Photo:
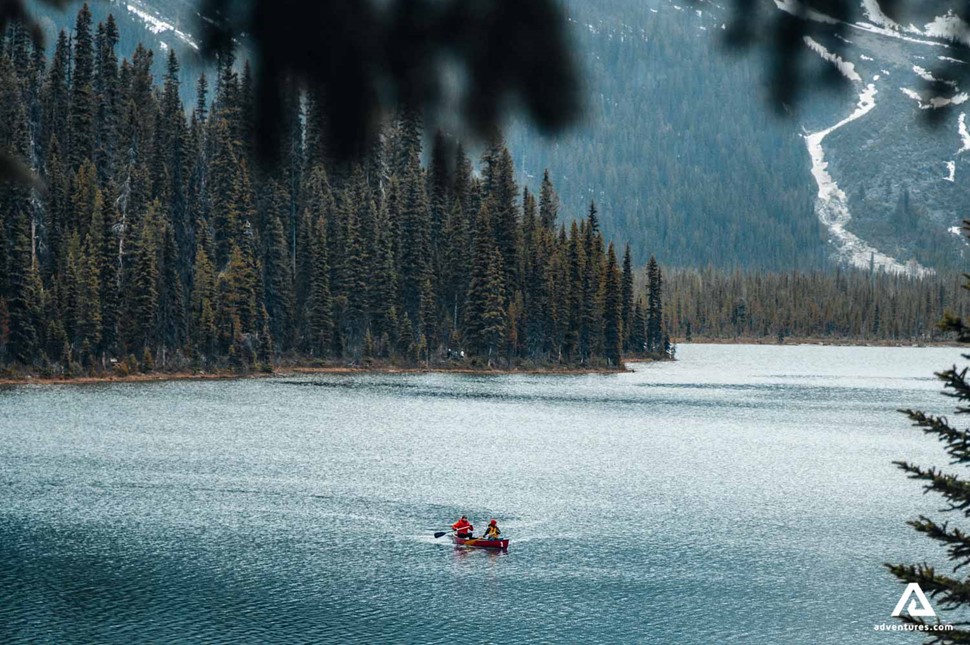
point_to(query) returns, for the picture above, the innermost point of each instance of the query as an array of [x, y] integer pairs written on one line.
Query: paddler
[[463, 528], [492, 532]]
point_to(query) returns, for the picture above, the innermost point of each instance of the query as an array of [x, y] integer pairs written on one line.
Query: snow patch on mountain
[[796, 8], [157, 25], [951, 167], [832, 207], [846, 68], [964, 133], [935, 102], [876, 16], [948, 27], [927, 76]]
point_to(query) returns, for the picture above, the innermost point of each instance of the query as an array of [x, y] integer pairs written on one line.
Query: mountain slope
[[682, 153]]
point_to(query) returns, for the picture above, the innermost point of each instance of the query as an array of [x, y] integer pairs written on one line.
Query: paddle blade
[[440, 533]]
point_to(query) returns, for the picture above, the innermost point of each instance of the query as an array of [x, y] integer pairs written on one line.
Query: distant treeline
[[836, 305], [158, 242]]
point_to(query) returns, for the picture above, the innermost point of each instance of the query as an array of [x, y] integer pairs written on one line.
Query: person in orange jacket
[[492, 532], [463, 527]]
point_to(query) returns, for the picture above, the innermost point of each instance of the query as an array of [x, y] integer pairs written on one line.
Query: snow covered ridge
[[157, 25], [846, 68], [935, 102]]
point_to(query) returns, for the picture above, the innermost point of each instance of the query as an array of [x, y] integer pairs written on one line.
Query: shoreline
[[288, 370], [295, 370], [831, 342]]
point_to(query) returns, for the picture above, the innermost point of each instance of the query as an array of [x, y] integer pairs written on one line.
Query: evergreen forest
[[853, 305], [154, 241]]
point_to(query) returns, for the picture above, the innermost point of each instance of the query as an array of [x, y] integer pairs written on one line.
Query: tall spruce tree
[[612, 310], [654, 332], [485, 303], [626, 297]]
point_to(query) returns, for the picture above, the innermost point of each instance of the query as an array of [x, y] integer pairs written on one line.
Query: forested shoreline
[[156, 242], [836, 306]]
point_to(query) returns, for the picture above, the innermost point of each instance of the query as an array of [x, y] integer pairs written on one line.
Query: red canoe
[[481, 543]]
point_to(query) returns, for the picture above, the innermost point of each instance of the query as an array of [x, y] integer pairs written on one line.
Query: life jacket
[[463, 527], [492, 531]]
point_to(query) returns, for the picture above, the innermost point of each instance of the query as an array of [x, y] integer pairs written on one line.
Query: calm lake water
[[741, 494]]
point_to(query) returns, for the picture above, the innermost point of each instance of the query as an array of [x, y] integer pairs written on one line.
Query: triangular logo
[[915, 610]]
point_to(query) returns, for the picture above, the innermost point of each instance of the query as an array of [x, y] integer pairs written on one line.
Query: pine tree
[[89, 286], [203, 316], [612, 310], [24, 304], [278, 283], [55, 96], [415, 266], [485, 310], [548, 203], [83, 100], [318, 318], [654, 307], [501, 195], [142, 318], [455, 267], [107, 98], [949, 590], [173, 327], [626, 297], [638, 335]]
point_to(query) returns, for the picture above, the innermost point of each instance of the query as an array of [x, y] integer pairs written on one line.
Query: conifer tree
[[83, 100], [548, 203], [55, 97], [948, 589], [638, 335], [318, 319], [654, 307], [415, 266], [142, 289], [455, 267], [107, 98], [612, 310], [278, 283], [501, 194], [485, 309], [626, 297], [203, 315], [171, 298], [25, 293]]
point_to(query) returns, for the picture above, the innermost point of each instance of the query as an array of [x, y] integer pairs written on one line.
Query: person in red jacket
[[463, 527]]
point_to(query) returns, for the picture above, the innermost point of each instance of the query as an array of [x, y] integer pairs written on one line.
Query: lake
[[741, 494]]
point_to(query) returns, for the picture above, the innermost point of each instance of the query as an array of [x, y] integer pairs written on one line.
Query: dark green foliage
[[948, 589], [83, 100], [655, 335], [626, 298], [158, 245], [612, 310], [24, 299], [845, 305]]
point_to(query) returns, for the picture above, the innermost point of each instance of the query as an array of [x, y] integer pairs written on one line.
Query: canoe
[[481, 543]]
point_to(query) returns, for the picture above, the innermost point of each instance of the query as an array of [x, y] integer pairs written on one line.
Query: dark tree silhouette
[[361, 59], [950, 590]]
